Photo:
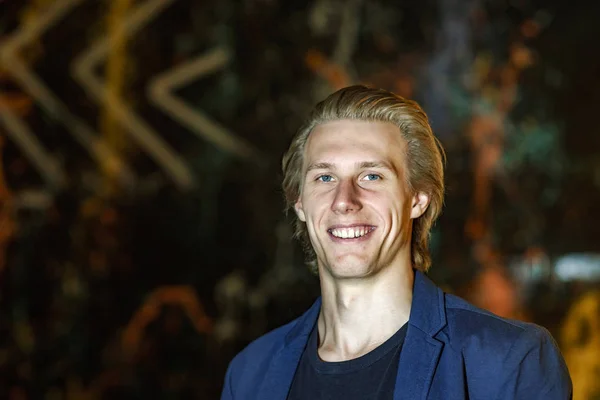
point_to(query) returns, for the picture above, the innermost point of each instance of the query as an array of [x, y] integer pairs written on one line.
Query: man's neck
[[359, 315]]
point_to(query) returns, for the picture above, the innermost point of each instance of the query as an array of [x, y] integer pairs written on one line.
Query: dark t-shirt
[[369, 377]]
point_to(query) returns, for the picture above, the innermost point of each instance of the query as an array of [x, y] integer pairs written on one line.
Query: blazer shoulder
[[250, 364], [487, 338], [503, 352], [472, 330], [264, 347], [469, 325]]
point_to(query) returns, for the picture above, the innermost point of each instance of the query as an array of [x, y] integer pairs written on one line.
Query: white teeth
[[350, 233]]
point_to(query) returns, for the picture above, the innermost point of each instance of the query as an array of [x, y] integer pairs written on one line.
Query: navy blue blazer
[[452, 350]]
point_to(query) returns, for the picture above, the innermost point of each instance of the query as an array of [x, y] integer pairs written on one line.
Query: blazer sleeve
[[535, 369]]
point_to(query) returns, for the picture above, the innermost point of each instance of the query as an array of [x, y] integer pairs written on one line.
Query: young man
[[365, 179]]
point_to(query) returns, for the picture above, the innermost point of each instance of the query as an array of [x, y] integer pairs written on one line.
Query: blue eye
[[325, 178], [372, 177]]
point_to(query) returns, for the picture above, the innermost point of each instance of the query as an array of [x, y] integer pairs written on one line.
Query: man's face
[[355, 200]]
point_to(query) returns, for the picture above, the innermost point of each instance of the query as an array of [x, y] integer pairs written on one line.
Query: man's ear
[[420, 203], [300, 210]]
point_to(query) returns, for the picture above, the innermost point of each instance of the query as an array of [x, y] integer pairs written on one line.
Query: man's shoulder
[[460, 309], [475, 332], [509, 356], [468, 315], [258, 352], [250, 366]]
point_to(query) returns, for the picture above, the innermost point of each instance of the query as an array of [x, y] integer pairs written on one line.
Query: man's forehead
[[355, 132], [364, 143]]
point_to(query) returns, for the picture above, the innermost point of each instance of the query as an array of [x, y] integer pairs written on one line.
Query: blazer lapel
[[421, 351], [418, 361], [279, 377]]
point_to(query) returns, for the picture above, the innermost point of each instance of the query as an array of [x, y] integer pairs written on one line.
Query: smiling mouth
[[351, 232]]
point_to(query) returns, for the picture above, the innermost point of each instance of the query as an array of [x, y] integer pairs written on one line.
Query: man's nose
[[346, 198]]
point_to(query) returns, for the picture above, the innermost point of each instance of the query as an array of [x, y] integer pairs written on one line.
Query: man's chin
[[349, 267]]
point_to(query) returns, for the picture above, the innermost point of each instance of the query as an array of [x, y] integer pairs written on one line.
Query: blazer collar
[[428, 311], [304, 325], [421, 351]]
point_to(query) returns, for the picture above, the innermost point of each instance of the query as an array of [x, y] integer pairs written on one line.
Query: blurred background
[[142, 235]]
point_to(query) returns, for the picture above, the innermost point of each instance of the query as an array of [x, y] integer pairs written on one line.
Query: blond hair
[[425, 156]]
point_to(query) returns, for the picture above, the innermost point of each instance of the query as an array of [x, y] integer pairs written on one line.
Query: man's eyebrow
[[321, 165], [376, 164], [361, 165]]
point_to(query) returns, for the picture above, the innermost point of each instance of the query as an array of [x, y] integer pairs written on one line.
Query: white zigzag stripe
[[90, 140], [83, 72], [46, 165], [160, 92]]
